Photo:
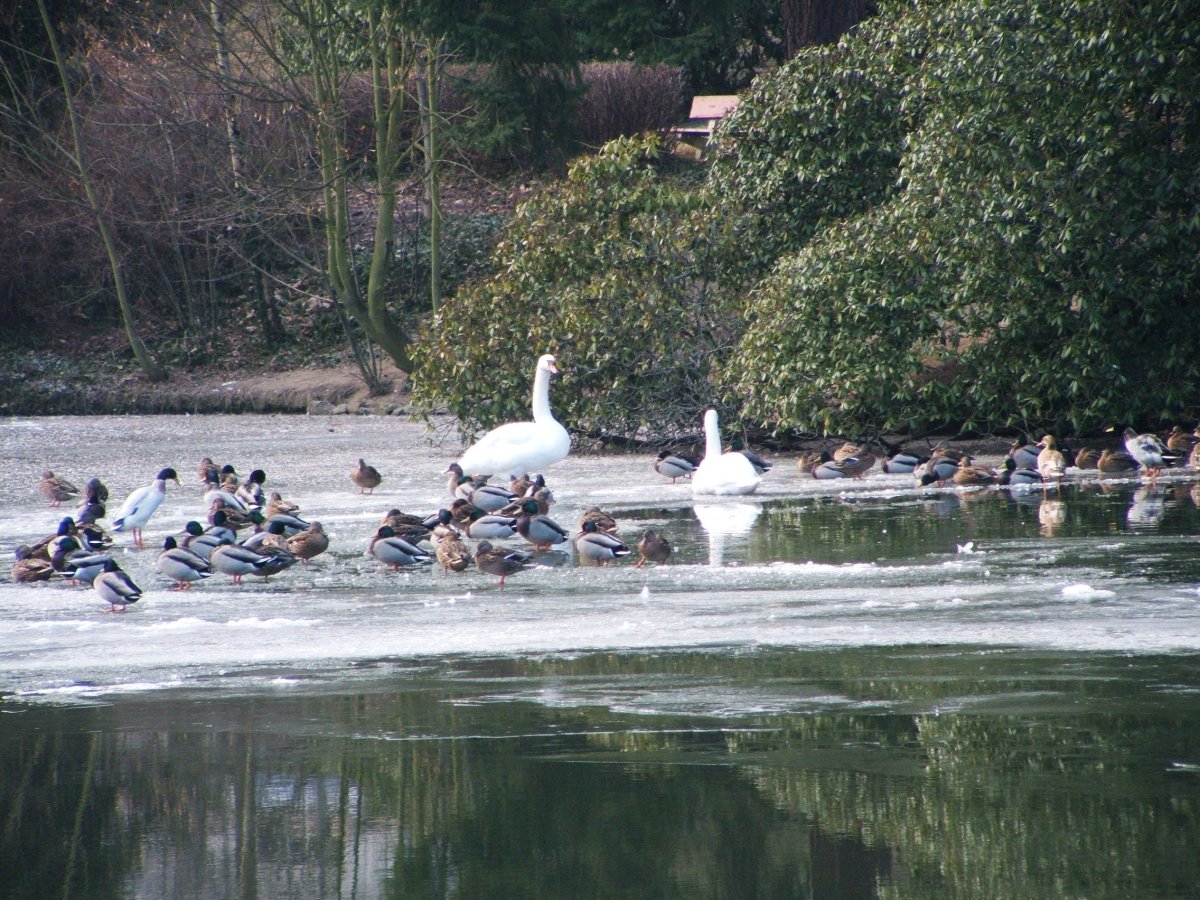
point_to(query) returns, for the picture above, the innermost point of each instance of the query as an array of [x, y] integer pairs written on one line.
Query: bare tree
[[808, 22]]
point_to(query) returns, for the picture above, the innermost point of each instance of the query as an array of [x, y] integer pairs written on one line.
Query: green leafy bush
[[610, 270]]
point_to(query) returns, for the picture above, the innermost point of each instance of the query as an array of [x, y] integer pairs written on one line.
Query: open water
[[832, 689]]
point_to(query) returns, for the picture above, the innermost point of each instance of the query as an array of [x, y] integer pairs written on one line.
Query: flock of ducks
[[485, 511]]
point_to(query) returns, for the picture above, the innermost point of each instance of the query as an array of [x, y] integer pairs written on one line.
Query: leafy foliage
[[1035, 260], [609, 269]]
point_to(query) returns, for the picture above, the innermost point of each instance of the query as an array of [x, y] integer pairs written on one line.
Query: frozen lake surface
[[1094, 567], [848, 689]]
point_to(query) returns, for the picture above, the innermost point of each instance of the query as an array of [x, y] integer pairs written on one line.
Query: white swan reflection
[[721, 521]]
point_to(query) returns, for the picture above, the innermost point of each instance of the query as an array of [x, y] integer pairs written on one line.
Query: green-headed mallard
[[180, 565], [604, 521], [599, 546], [115, 587], [675, 465], [236, 560], [388, 548], [541, 531], [1151, 454]]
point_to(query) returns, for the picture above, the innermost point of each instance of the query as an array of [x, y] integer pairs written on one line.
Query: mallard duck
[[199, 541], [1112, 462], [1050, 462], [208, 473], [969, 475], [861, 452], [604, 521], [598, 546], [273, 537], [1086, 458], [228, 500], [139, 506], [181, 565], [291, 524], [500, 561], [453, 553], [235, 519], [56, 489], [1024, 453], [810, 459], [462, 512], [229, 479], [395, 551], [366, 477], [541, 531], [236, 561], [938, 469], [1194, 458], [219, 528], [276, 504], [543, 497], [1012, 476], [902, 462], [115, 587], [825, 468], [250, 491], [652, 547], [490, 497], [490, 527], [309, 543], [722, 473], [92, 507], [519, 447], [1151, 454], [28, 568], [1180, 442], [82, 566], [675, 465]]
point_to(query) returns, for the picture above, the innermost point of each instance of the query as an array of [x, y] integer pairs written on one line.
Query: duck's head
[[167, 475]]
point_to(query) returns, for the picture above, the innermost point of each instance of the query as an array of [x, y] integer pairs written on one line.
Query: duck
[[227, 500], [92, 507], [1013, 476], [1151, 454], [308, 544], [82, 566], [250, 491], [862, 455], [675, 465], [598, 546], [388, 548], [115, 587], [181, 565], [722, 473], [500, 561], [28, 569], [543, 497], [1193, 460], [237, 561], [902, 462], [220, 529], [1112, 462], [652, 547], [1051, 463], [825, 468], [938, 468], [1086, 458], [291, 524], [208, 473], [490, 527], [269, 540], [970, 475], [366, 477], [1024, 453], [453, 553], [199, 541], [490, 497], [541, 531], [276, 504], [139, 506], [604, 521], [515, 448], [1180, 442], [56, 489]]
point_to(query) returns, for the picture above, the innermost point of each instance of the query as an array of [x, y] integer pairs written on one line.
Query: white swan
[[518, 448], [722, 473]]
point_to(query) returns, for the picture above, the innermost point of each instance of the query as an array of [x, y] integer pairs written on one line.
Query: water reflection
[[1011, 775], [722, 521]]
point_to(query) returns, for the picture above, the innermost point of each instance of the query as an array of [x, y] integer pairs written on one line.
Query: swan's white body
[[722, 473], [518, 448]]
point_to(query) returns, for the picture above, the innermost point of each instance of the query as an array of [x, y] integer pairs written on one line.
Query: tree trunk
[[810, 22], [153, 370]]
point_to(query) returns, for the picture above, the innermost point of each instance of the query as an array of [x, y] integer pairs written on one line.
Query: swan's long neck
[[712, 437], [541, 396]]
